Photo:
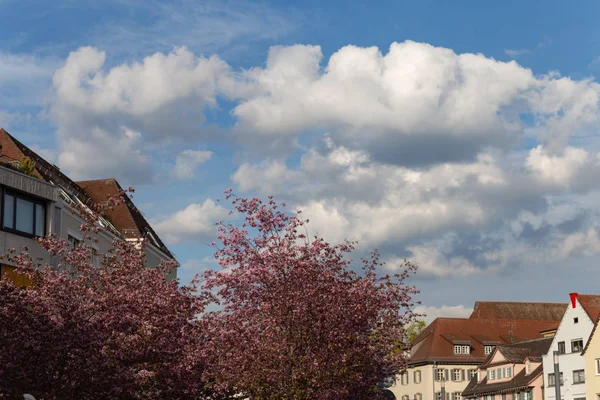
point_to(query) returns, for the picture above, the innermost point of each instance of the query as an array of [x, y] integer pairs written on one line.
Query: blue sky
[[462, 135]]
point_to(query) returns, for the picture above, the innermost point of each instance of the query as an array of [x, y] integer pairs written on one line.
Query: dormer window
[[462, 349], [488, 349]]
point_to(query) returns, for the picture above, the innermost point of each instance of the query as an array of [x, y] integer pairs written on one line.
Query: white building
[[570, 338], [39, 200]]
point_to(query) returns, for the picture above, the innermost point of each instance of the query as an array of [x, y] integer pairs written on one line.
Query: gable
[[569, 330]]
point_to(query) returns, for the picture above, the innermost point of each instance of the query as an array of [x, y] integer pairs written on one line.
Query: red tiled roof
[[433, 344], [126, 217], [591, 305], [518, 310]]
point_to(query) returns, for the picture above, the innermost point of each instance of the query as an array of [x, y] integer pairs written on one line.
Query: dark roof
[[434, 344], [518, 352], [126, 218], [518, 310], [520, 380]]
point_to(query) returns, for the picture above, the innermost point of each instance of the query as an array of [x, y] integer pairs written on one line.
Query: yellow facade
[[592, 366], [429, 384]]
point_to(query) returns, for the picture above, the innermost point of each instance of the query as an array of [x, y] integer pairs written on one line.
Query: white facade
[[571, 336]]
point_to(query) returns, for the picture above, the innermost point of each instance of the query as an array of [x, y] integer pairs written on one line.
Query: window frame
[[437, 374], [31, 199], [508, 372], [415, 375], [491, 375], [578, 341], [455, 375], [579, 373], [488, 349], [562, 350]]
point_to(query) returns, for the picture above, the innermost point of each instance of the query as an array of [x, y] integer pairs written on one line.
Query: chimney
[[573, 299]]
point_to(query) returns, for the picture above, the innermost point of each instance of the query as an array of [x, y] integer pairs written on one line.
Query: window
[[576, 345], [561, 347], [417, 377], [598, 366], [73, 242], [462, 349], [440, 374], [551, 380], [503, 396], [575, 320], [438, 395], [24, 214], [456, 396], [528, 369], [404, 378], [492, 375], [456, 375], [488, 349], [418, 396], [578, 376], [472, 373], [508, 372], [493, 397], [405, 397]]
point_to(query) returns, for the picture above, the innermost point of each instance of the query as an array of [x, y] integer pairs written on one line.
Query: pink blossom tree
[[119, 330], [295, 321]]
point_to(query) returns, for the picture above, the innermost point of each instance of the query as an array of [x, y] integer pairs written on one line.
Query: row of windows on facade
[[576, 346], [457, 375], [466, 349], [578, 377]]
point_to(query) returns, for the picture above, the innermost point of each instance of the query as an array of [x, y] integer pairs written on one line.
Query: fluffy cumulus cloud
[[162, 97], [423, 154], [418, 151], [196, 222], [415, 105], [187, 161]]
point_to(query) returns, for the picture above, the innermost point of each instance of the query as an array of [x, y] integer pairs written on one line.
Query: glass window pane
[[9, 211], [40, 219], [24, 216]]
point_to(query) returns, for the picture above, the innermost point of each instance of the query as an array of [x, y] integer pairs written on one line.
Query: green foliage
[[414, 329], [27, 165]]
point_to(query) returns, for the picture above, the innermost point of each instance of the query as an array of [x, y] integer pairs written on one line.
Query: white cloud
[[432, 312], [187, 161], [162, 96], [416, 105], [196, 222], [514, 53]]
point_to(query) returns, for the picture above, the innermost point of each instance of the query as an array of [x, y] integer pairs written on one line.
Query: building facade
[[449, 350], [591, 356], [571, 336], [36, 199], [512, 372]]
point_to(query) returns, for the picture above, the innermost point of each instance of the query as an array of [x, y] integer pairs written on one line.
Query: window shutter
[[462, 375], [446, 375], [447, 396], [435, 372]]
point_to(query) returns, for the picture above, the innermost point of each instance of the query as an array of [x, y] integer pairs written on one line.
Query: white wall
[[568, 362]]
